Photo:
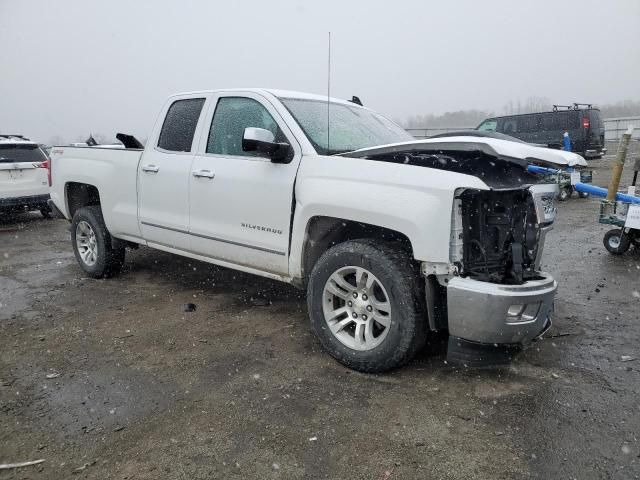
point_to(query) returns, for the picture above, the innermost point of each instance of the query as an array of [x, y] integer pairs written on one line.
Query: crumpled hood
[[515, 152]]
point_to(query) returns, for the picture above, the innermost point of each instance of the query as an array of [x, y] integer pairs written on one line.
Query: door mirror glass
[[263, 141]]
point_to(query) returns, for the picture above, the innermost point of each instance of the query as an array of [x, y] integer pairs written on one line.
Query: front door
[[241, 202], [163, 176]]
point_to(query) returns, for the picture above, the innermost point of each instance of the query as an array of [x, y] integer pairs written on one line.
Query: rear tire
[[583, 194], [616, 241], [92, 244], [377, 290]]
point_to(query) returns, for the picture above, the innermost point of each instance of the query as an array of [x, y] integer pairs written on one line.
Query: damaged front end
[[491, 296], [499, 300], [503, 232]]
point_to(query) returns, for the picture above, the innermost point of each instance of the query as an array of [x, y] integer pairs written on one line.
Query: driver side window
[[231, 117]]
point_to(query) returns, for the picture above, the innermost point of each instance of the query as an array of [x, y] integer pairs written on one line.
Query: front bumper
[[32, 201], [492, 313]]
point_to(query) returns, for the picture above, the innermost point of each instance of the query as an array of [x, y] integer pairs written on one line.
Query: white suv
[[23, 175]]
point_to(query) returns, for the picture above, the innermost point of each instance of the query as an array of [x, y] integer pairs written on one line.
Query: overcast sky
[[70, 67]]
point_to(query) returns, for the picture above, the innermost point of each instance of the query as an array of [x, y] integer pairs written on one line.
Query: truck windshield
[[488, 126], [350, 128], [21, 153]]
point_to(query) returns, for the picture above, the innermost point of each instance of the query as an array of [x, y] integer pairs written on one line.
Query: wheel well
[[81, 195], [324, 232]]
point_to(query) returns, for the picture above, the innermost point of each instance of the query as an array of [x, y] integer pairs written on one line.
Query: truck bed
[[113, 171]]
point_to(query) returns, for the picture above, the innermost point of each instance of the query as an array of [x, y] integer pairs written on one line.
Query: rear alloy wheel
[[93, 245], [616, 241], [583, 194], [86, 243], [365, 305]]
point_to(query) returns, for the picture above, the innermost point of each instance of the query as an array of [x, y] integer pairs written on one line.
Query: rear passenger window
[[509, 126], [547, 121], [556, 121], [179, 125], [528, 123]]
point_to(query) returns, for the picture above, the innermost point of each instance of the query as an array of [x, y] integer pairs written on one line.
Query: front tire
[[92, 244], [365, 305]]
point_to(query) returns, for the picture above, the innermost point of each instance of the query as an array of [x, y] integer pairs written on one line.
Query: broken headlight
[[544, 201]]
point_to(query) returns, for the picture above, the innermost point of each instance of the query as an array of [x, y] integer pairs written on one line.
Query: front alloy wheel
[[366, 304], [356, 308]]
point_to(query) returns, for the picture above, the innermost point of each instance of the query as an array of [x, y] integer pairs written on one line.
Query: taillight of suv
[[585, 122], [46, 164]]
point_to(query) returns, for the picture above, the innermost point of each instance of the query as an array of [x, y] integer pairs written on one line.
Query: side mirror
[[263, 141]]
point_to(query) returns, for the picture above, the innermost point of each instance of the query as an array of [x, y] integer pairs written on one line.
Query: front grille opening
[[500, 236]]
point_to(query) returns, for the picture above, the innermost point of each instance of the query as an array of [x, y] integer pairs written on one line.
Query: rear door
[[596, 128], [23, 170], [164, 173], [241, 202], [553, 125]]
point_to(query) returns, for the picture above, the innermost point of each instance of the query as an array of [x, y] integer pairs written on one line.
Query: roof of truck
[[275, 92]]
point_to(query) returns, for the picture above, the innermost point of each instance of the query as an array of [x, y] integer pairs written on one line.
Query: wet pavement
[[113, 379]]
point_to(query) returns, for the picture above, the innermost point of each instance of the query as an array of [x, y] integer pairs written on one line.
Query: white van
[[24, 183]]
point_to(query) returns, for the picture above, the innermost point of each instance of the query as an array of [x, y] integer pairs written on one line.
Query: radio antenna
[[328, 92]]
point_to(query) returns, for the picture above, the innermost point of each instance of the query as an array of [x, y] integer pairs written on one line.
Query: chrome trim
[[203, 174], [543, 199], [456, 252], [541, 241], [478, 311], [215, 239]]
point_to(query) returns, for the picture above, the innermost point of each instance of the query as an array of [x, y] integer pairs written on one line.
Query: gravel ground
[[112, 379]]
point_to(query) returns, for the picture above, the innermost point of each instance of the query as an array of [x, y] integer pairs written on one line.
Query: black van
[[582, 121]]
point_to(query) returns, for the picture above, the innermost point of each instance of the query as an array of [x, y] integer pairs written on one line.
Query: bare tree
[[461, 119], [531, 105], [625, 108]]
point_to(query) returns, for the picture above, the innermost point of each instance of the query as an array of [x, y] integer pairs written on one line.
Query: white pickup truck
[[391, 242]]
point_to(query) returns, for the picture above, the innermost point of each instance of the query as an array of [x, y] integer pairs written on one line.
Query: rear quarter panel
[[112, 171]]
